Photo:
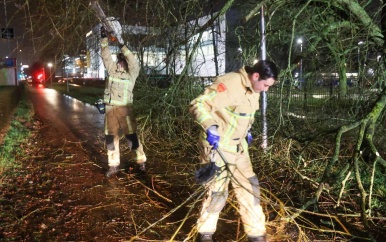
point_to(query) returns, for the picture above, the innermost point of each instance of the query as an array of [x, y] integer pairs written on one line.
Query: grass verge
[[85, 94], [18, 132]]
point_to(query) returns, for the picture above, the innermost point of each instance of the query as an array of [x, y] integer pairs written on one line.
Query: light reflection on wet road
[[68, 114]]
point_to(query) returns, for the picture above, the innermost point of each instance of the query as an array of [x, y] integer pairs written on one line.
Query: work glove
[[212, 136], [249, 137], [120, 40], [206, 173], [103, 32]]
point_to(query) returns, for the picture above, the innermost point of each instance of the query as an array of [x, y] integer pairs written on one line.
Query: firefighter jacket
[[119, 85], [229, 103]]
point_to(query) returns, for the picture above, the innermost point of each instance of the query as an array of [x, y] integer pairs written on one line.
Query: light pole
[[264, 98], [21, 57], [300, 41], [50, 66], [21, 64], [360, 43]]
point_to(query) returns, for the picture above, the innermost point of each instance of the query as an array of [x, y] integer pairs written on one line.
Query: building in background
[[14, 41], [162, 54], [74, 66]]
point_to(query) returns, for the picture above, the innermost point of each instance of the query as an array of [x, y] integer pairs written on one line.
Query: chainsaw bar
[[101, 16]]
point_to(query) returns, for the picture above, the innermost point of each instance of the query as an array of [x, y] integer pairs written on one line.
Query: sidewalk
[[60, 193]]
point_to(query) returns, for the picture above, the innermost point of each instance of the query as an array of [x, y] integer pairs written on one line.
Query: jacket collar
[[245, 79]]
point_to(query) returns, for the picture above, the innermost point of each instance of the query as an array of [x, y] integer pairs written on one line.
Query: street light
[[360, 43], [300, 41], [50, 66], [21, 57]]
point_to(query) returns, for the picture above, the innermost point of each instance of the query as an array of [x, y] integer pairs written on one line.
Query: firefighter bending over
[[226, 111]]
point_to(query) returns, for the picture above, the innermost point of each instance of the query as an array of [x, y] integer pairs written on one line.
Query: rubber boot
[[142, 167], [112, 171], [206, 238], [257, 239]]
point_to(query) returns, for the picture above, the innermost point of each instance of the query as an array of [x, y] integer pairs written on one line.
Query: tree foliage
[[331, 32]]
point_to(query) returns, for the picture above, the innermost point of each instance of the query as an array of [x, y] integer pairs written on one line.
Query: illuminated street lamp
[[21, 57], [300, 41], [50, 66], [360, 43]]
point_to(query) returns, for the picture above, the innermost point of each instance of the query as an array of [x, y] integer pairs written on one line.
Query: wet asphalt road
[[73, 119]]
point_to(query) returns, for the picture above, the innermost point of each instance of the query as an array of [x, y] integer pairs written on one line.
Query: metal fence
[[322, 99]]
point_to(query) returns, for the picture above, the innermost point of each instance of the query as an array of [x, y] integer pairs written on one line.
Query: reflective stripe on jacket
[[119, 85], [230, 103]]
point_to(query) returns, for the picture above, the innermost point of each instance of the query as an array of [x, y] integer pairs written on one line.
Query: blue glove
[[212, 136], [249, 137]]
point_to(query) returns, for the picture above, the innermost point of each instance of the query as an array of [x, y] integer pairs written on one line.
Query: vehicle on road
[[38, 73], [39, 76]]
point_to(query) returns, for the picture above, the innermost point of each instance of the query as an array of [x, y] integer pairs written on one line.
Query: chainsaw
[[111, 24]]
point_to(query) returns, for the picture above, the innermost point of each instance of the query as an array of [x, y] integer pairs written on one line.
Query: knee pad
[[217, 201], [110, 142], [133, 138], [255, 189]]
